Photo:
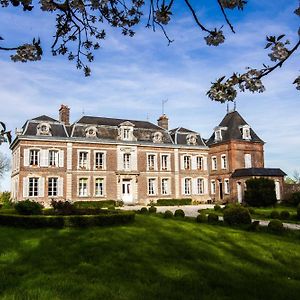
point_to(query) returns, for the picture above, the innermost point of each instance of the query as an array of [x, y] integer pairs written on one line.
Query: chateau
[[132, 161]]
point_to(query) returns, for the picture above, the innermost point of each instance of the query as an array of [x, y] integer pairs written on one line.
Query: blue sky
[[131, 76]]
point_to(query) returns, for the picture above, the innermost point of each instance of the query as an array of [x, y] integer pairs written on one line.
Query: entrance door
[[239, 192], [127, 196], [221, 189]]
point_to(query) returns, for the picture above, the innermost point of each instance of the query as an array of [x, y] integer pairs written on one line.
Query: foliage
[[5, 200], [212, 218], [28, 207], [152, 209], [284, 215], [260, 192], [4, 163], [237, 215], [97, 204], [168, 214], [117, 217], [274, 214], [254, 226], [275, 226], [298, 211], [144, 210], [179, 213], [294, 199], [201, 218], [63, 207], [217, 207], [173, 202]]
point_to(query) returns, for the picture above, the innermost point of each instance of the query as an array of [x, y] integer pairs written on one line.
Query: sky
[[131, 76]]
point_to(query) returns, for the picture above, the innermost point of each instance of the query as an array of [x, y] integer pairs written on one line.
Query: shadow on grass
[[152, 258]]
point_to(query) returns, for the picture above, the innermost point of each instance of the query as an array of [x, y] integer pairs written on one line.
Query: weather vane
[[5, 136], [163, 102]]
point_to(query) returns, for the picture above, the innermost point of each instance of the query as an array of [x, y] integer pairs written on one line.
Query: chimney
[[64, 114], [163, 122]]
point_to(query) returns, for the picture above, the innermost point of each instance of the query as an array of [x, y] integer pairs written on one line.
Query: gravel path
[[192, 211]]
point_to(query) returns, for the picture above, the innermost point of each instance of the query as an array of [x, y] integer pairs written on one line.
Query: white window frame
[[102, 194], [214, 163], [165, 166], [200, 162], [187, 162], [56, 157], [226, 186], [86, 190], [151, 167], [54, 187], [188, 187], [152, 188], [103, 166], [166, 191], [213, 187], [200, 186], [35, 157], [218, 135], [248, 160], [224, 162], [127, 160], [34, 192], [83, 164]]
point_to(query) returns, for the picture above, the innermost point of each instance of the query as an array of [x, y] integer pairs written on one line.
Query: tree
[[4, 164], [83, 22]]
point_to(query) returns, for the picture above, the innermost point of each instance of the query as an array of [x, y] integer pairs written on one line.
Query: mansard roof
[[258, 172], [180, 135], [230, 127], [45, 118], [57, 129]]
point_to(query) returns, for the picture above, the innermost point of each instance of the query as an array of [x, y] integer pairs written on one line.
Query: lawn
[[152, 258]]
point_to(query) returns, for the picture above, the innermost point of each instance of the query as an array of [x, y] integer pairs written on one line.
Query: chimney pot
[[163, 122], [64, 114]]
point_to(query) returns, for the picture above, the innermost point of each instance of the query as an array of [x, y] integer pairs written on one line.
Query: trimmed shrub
[[202, 218], [168, 214], [212, 218], [179, 213], [217, 207], [254, 226], [251, 210], [28, 207], [63, 207], [298, 211], [152, 209], [294, 199], [284, 215], [237, 215], [173, 202], [95, 204], [260, 192], [118, 217], [144, 210], [275, 226], [274, 214]]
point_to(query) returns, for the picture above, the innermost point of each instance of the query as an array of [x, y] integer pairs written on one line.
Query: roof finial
[[163, 102], [227, 107], [234, 105]]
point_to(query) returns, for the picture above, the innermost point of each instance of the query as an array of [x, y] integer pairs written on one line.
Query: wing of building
[[99, 158]]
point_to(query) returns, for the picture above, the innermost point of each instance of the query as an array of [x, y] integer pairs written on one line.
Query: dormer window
[[91, 132], [126, 132], [245, 130], [157, 137], [218, 135], [191, 139], [44, 129]]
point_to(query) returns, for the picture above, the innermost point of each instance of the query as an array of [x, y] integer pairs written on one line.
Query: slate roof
[[57, 129], [179, 136], [258, 172], [45, 118], [232, 121]]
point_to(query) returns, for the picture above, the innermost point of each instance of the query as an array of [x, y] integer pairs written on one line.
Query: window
[[248, 161], [214, 163], [200, 186], [226, 186], [199, 161], [99, 187], [53, 158], [151, 186], [151, 162], [33, 187], [224, 161], [164, 162], [213, 186], [126, 134], [246, 135], [83, 187], [165, 186], [218, 135], [83, 159], [187, 162], [34, 157], [187, 186], [126, 161], [52, 186], [99, 160]]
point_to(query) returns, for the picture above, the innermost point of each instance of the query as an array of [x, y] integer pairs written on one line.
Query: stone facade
[[127, 160]]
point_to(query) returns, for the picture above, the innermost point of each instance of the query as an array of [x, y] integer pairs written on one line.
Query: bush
[[251, 210], [173, 202], [212, 218], [168, 214], [63, 207], [254, 226], [144, 210], [28, 207], [237, 215], [284, 215], [5, 200], [217, 207], [113, 218], [202, 218], [260, 192], [298, 212], [294, 199], [179, 213], [274, 214], [275, 226], [152, 209], [96, 204]]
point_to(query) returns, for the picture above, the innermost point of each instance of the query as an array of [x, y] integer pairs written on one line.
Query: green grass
[[152, 258]]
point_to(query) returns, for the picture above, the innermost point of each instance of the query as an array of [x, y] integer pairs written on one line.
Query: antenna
[[227, 107], [163, 102], [83, 111], [234, 105], [147, 117]]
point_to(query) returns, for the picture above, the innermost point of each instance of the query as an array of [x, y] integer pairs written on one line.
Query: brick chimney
[[163, 122], [64, 114]]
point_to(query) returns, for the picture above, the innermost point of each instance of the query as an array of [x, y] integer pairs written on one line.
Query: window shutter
[[41, 187], [194, 163], [194, 186], [205, 186], [61, 158], [25, 187], [248, 162], [88, 160], [26, 157], [44, 158], [104, 161], [205, 163], [60, 187], [155, 162], [134, 160], [182, 162], [182, 186]]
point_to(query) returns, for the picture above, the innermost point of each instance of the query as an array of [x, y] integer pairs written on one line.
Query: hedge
[[38, 221], [173, 202], [96, 204]]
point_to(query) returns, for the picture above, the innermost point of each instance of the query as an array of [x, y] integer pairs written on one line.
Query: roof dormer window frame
[[126, 131], [91, 132], [246, 132], [218, 133], [44, 128]]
